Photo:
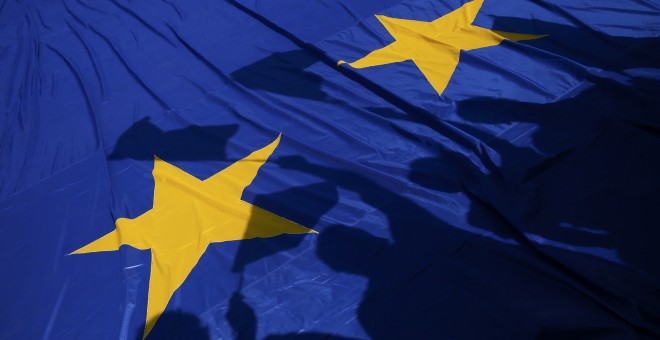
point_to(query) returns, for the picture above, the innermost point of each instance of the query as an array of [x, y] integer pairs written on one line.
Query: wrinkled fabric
[[520, 202]]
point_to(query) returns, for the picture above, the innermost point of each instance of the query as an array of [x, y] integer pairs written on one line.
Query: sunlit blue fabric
[[520, 203]]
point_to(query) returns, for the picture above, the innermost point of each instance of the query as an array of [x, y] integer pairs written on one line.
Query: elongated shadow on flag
[[583, 215], [177, 325], [591, 174], [242, 318], [600, 148], [584, 45], [144, 139], [317, 199], [283, 73]]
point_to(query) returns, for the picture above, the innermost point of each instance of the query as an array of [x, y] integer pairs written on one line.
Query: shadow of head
[[283, 73], [177, 325], [144, 140], [241, 318]]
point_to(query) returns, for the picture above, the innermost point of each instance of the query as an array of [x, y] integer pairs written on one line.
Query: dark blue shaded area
[[595, 49], [429, 266], [177, 325], [283, 73], [242, 318], [144, 140]]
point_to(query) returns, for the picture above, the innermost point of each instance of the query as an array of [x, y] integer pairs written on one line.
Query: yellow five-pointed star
[[435, 46], [187, 215]]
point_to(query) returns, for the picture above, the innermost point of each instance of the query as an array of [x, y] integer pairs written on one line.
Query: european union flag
[[396, 169]]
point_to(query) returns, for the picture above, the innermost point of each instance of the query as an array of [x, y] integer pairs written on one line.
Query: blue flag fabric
[[519, 201]]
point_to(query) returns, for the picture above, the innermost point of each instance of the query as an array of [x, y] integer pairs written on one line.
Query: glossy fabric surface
[[520, 202]]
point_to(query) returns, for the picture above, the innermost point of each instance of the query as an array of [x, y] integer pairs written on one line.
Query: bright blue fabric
[[522, 202]]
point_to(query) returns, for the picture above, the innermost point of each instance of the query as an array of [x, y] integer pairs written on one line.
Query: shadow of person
[[177, 325], [588, 211], [144, 139], [431, 279], [591, 143], [318, 199], [577, 176]]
